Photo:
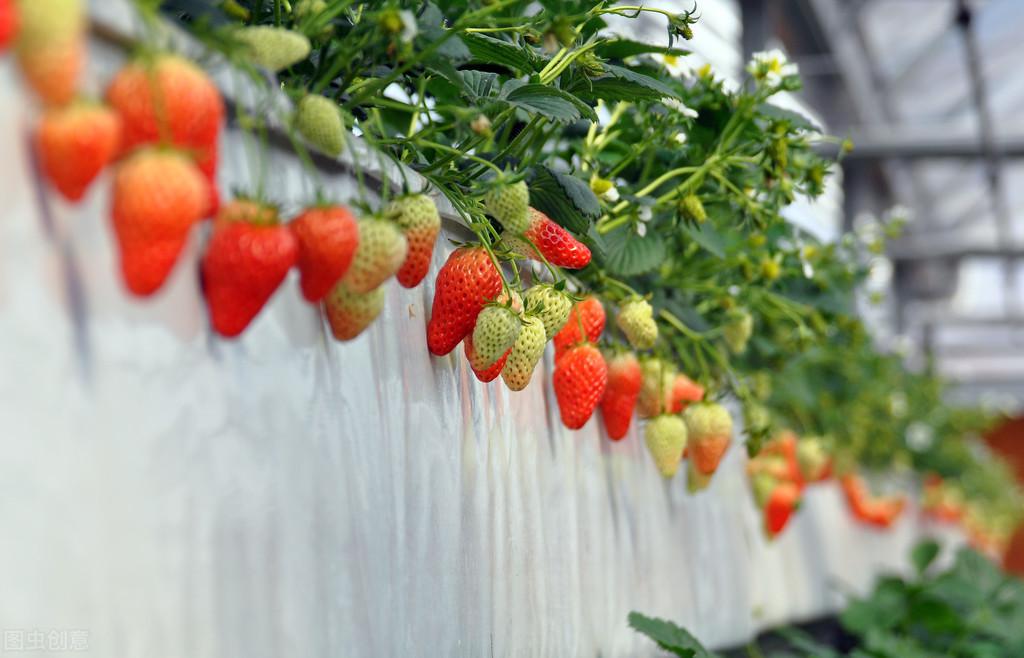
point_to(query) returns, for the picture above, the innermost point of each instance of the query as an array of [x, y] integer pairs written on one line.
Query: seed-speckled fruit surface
[[496, 330], [526, 354], [418, 218], [466, 282], [350, 313], [328, 238], [550, 305], [636, 319], [381, 251], [579, 381], [665, 436]]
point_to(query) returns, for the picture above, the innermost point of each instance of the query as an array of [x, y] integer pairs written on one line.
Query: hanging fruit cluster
[[622, 206]]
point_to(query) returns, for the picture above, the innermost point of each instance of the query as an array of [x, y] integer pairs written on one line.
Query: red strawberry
[[168, 99], [247, 210], [684, 391], [589, 313], [782, 501], [75, 143], [487, 373], [327, 238], [709, 427], [9, 22], [158, 195], [466, 282], [580, 379], [243, 265], [556, 244], [619, 401], [418, 218]]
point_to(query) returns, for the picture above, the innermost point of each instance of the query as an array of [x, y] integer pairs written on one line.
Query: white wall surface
[[174, 494]]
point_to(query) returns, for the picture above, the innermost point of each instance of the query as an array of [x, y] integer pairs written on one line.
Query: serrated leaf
[[668, 636], [488, 50], [623, 48], [630, 254], [641, 80], [706, 236], [611, 88], [796, 119], [550, 102], [564, 198], [479, 84]]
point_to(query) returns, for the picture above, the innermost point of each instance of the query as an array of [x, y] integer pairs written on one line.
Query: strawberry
[[247, 210], [418, 218], [579, 380], [695, 480], [350, 313], [665, 436], [551, 305], [709, 427], [762, 486], [782, 501], [813, 459], [243, 265], [483, 372], [166, 98], [510, 205], [619, 401], [636, 320], [496, 330], [75, 143], [380, 253], [737, 330], [526, 353], [319, 121], [51, 47], [10, 20], [158, 195], [587, 313], [328, 237], [554, 243], [684, 391], [467, 281], [656, 388], [274, 48]]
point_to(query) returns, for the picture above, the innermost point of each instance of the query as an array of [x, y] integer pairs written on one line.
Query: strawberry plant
[[599, 179]]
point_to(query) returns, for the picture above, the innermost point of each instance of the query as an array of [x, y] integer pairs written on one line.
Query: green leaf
[[630, 254], [641, 80], [488, 50], [565, 199], [668, 636], [479, 84], [796, 119], [924, 554], [550, 102], [706, 236], [611, 88], [623, 48]]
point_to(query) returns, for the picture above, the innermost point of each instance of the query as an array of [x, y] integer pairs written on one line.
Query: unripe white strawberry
[[526, 353], [274, 48], [665, 436], [496, 330], [419, 220], [737, 330], [550, 305], [510, 205], [319, 120], [381, 251], [636, 319], [349, 313]]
